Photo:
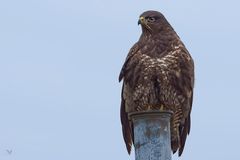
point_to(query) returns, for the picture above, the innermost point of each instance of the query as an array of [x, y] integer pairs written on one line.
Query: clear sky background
[[59, 66]]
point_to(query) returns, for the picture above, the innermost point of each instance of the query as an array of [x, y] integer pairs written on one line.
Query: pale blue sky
[[59, 64]]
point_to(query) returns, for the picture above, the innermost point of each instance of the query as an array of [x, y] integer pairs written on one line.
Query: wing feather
[[126, 126]]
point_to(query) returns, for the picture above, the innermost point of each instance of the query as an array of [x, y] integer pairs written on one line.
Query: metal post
[[152, 135]]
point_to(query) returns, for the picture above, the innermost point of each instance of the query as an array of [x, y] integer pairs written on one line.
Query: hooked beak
[[141, 20]]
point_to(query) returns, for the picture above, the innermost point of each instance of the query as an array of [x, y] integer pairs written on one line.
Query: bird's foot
[[162, 107]]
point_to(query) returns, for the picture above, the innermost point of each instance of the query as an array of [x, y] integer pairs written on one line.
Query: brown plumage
[[158, 74]]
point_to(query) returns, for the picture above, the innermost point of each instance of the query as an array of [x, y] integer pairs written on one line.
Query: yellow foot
[[149, 107], [161, 107]]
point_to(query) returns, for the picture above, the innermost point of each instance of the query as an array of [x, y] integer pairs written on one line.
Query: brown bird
[[158, 74]]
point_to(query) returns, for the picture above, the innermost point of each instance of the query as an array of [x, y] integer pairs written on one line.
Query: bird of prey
[[158, 74]]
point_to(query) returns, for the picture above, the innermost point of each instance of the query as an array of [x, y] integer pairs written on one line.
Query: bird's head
[[152, 22]]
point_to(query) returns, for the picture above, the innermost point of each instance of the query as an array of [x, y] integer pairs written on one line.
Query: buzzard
[[158, 74]]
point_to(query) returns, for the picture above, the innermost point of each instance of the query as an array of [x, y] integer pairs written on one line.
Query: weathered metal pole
[[152, 135]]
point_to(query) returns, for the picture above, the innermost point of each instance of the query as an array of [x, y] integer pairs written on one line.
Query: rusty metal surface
[[152, 135]]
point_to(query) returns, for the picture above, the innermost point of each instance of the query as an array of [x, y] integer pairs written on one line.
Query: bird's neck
[[159, 38], [163, 34], [161, 41]]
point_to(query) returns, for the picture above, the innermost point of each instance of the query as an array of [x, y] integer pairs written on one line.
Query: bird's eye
[[151, 19]]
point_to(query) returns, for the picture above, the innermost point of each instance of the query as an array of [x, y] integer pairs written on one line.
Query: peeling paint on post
[[152, 135]]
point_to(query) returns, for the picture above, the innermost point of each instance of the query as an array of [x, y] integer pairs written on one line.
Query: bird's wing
[[126, 125], [188, 90]]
